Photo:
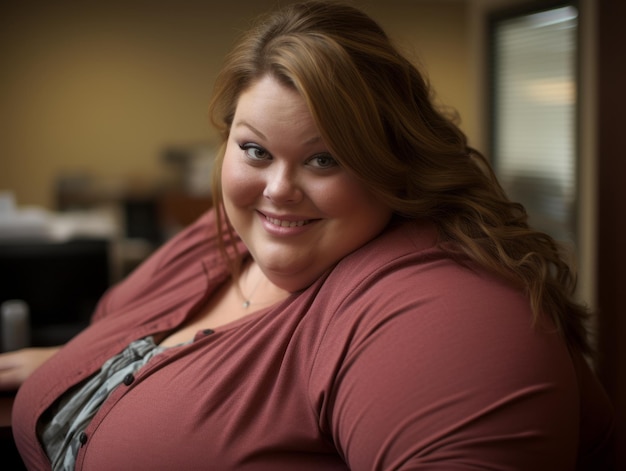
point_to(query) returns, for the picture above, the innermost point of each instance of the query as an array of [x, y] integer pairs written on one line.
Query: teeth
[[278, 222]]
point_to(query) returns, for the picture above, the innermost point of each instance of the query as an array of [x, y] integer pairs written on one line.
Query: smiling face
[[296, 209]]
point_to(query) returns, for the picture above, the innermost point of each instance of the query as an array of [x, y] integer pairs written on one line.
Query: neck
[[256, 289]]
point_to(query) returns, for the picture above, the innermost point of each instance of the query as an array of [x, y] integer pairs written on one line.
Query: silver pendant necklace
[[247, 300]]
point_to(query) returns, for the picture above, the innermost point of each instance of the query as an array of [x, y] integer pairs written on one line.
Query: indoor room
[[107, 149]]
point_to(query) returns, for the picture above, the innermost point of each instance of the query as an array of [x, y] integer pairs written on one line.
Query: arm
[[450, 403], [16, 366]]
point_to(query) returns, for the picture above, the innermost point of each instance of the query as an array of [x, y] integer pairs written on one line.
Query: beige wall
[[104, 87]]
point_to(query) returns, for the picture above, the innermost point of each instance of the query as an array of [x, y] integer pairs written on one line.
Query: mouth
[[287, 223]]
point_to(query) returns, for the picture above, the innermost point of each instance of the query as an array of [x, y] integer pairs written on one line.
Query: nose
[[282, 186]]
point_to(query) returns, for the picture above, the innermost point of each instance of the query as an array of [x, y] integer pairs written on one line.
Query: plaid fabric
[[60, 433]]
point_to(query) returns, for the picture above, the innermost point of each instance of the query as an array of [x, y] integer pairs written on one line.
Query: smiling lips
[[284, 223]]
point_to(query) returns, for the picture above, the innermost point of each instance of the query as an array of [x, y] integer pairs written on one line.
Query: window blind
[[535, 115]]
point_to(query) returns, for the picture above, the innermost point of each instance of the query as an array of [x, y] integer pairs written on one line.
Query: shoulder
[[199, 236], [405, 268], [409, 307], [403, 288], [448, 350], [405, 282], [183, 257], [197, 240]]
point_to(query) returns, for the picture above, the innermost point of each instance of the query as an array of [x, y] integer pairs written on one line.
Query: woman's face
[[295, 208]]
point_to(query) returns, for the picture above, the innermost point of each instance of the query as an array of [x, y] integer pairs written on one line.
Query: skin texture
[[294, 206]]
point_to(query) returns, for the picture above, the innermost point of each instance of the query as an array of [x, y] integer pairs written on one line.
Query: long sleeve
[[443, 370]]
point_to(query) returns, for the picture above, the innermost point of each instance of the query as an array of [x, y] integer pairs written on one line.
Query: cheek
[[343, 197], [357, 213], [228, 176], [237, 182]]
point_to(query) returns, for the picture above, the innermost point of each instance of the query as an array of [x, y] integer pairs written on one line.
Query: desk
[[10, 457], [6, 404]]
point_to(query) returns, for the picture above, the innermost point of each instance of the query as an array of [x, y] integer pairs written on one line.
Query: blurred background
[[104, 133], [105, 89], [103, 107]]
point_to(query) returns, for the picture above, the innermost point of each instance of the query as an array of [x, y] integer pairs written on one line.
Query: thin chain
[[247, 300]]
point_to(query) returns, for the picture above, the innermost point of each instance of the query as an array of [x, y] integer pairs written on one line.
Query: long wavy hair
[[376, 112]]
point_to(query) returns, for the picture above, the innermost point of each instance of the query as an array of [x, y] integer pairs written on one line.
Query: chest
[[217, 402], [223, 307]]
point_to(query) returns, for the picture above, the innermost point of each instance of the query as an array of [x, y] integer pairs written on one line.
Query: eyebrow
[[243, 123], [251, 128]]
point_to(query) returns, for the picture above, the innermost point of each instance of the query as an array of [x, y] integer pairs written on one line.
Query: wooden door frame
[[611, 238]]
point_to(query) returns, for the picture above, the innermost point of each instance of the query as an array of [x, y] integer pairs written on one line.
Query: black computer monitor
[[60, 281]]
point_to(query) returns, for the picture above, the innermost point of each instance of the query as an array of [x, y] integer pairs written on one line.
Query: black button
[[208, 331], [82, 438], [128, 379]]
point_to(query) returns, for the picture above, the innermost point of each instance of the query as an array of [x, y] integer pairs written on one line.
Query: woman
[[363, 296]]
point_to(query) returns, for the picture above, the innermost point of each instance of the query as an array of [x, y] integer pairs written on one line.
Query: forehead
[[270, 105], [268, 91]]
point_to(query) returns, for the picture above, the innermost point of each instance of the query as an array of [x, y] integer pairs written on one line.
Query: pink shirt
[[397, 358]]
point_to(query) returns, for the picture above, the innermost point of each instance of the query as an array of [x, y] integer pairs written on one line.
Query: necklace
[[247, 300]]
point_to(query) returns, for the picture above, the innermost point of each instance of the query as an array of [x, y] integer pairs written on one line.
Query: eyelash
[[332, 164], [247, 147]]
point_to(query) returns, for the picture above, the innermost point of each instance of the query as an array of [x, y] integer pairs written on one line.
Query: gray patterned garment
[[60, 435]]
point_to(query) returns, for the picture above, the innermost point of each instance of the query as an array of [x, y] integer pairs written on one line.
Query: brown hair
[[375, 111]]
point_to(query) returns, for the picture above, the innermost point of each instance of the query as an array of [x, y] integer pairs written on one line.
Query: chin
[[292, 279]]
